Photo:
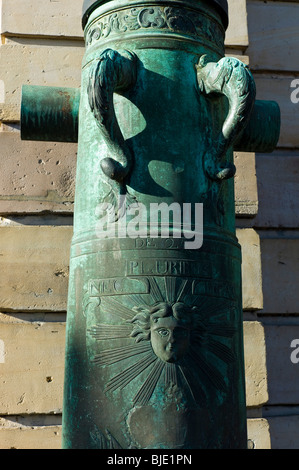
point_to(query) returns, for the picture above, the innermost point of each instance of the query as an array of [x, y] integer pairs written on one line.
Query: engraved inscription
[[159, 243], [168, 267], [117, 286], [157, 267], [222, 289]]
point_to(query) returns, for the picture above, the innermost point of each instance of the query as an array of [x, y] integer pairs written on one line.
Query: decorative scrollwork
[[170, 19], [151, 17]]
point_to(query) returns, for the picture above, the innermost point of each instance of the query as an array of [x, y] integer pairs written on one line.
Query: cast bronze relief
[[233, 79], [170, 334], [166, 334]]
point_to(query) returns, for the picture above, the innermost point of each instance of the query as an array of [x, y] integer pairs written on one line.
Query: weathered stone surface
[[30, 437], [280, 267], [278, 189], [278, 88], [44, 63], [237, 32], [32, 366], [273, 35], [34, 268], [255, 364], [46, 18], [9, 113], [36, 176], [251, 269], [283, 373], [284, 432], [245, 185], [233, 52], [258, 434]]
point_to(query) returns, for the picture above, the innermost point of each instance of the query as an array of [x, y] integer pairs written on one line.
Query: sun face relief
[[176, 341], [170, 336]]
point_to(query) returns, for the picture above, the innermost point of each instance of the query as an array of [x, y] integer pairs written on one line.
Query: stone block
[[255, 364], [36, 176], [9, 113], [282, 363], [34, 268], [251, 269], [278, 88], [30, 437], [43, 63], [280, 268], [284, 432], [273, 35], [258, 434], [32, 366], [46, 18], [278, 189], [246, 197], [237, 31]]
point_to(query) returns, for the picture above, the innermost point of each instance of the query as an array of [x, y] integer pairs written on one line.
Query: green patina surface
[[49, 113], [154, 353]]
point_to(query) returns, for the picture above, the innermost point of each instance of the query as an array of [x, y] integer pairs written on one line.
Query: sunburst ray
[[170, 284], [155, 290], [137, 299], [114, 307], [111, 356], [200, 302], [103, 332], [226, 331], [144, 394], [126, 376], [184, 290], [221, 351], [209, 370], [192, 384], [216, 309], [210, 309], [170, 374]]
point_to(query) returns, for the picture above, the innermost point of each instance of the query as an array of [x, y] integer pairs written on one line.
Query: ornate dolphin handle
[[233, 79], [113, 72]]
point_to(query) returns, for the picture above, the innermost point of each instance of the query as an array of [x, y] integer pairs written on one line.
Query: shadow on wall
[[280, 269]]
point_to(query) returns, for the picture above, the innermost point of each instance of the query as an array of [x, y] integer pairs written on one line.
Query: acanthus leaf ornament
[[232, 78], [162, 17]]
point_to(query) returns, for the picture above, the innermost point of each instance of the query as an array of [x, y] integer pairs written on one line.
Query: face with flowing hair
[[167, 326]]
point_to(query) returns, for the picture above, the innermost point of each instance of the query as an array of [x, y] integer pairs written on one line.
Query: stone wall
[[42, 44], [274, 59]]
